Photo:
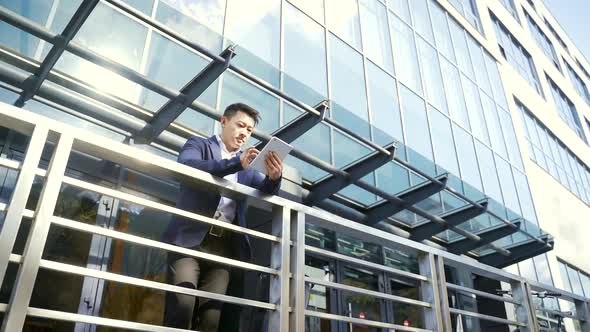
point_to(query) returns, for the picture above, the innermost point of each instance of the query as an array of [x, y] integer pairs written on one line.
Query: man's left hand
[[274, 165]]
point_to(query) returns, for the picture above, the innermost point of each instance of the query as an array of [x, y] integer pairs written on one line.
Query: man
[[220, 156]]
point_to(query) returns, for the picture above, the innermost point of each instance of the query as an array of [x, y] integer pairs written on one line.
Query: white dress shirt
[[226, 210]]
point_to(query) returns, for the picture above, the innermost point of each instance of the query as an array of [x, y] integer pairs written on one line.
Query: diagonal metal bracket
[[334, 183], [410, 197], [452, 218], [519, 252], [487, 236], [188, 94], [300, 125], [60, 42]]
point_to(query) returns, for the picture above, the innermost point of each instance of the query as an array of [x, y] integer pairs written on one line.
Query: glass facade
[[578, 83], [542, 41], [567, 110]]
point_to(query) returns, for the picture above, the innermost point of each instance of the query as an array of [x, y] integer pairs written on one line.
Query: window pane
[[347, 150], [401, 8], [305, 57], [349, 105], [404, 51], [454, 93], [234, 90], [255, 27], [510, 137], [543, 271], [416, 125], [422, 19], [461, 50], [441, 31], [392, 178], [524, 197], [585, 284], [488, 172], [385, 115], [431, 75], [343, 19], [467, 159], [476, 117], [201, 21], [497, 87], [481, 74], [314, 8], [507, 184], [376, 40], [564, 278], [442, 139], [575, 280], [495, 129]]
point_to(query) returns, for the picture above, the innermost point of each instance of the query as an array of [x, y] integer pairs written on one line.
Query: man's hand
[[248, 156], [274, 165]]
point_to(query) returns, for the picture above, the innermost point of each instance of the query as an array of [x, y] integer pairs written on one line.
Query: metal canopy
[[334, 183], [60, 42], [519, 252], [486, 236], [188, 94], [300, 125], [410, 196], [451, 218]]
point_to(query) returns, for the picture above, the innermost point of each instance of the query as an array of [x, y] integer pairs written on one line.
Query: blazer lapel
[[215, 148]]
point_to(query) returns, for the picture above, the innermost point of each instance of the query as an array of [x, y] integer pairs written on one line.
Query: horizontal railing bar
[[159, 245], [363, 263], [485, 317], [9, 163], [561, 314], [565, 295], [482, 294], [365, 322], [26, 213], [78, 318], [363, 291], [166, 208], [114, 277]]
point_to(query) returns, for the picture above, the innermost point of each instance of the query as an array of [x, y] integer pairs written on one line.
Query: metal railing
[[286, 306]]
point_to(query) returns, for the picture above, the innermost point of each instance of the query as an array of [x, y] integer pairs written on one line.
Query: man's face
[[236, 131]]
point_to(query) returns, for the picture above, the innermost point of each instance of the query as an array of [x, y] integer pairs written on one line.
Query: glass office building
[[469, 99]]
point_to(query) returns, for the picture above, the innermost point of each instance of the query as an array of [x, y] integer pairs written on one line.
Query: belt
[[216, 230]]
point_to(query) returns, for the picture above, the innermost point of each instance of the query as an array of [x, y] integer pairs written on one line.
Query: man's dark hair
[[232, 109]]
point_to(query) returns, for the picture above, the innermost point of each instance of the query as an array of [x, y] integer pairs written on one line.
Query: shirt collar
[[224, 148]]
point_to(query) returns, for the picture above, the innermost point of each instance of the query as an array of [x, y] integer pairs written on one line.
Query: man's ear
[[223, 120]]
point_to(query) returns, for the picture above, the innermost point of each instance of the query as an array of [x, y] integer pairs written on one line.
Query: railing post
[[441, 300], [583, 311], [430, 292], [525, 312], [280, 260], [18, 201], [299, 297], [27, 273]]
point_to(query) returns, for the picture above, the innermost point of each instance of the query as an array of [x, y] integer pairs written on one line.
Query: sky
[[572, 15]]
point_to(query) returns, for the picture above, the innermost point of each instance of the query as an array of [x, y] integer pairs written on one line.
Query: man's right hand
[[248, 156]]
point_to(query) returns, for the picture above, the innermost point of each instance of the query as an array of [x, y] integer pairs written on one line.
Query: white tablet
[[275, 144]]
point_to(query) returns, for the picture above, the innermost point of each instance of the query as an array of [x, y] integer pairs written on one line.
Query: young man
[[219, 155]]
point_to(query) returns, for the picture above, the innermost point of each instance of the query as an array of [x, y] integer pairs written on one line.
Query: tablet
[[275, 144]]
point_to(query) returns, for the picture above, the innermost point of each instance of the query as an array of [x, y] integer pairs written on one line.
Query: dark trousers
[[189, 312]]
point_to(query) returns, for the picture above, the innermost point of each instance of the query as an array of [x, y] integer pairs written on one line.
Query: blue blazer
[[205, 154]]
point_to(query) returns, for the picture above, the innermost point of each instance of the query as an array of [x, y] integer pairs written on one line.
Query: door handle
[[106, 205], [87, 301]]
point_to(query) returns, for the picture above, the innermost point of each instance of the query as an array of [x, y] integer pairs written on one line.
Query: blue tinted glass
[[467, 159], [316, 141], [494, 75], [346, 150], [543, 271], [404, 51], [144, 6], [495, 129], [385, 115], [476, 117], [358, 194], [376, 40], [442, 139], [416, 124], [305, 57], [199, 21], [461, 50], [524, 196], [392, 178], [255, 27], [342, 18], [507, 184], [481, 74], [422, 19], [488, 172], [401, 8], [313, 8], [510, 137], [454, 93], [441, 31], [527, 269], [236, 90], [349, 105], [432, 75]]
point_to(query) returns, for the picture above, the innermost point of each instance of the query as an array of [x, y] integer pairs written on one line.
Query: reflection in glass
[[432, 78], [401, 8], [255, 26], [416, 122], [342, 18], [385, 115], [305, 57], [454, 93], [376, 39], [441, 31], [404, 51], [481, 74], [422, 19], [507, 184], [442, 139], [476, 117], [313, 8], [349, 106], [467, 159], [489, 176], [543, 271], [495, 130], [497, 87], [461, 50]]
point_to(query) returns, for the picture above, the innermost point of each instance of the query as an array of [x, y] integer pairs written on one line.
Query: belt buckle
[[216, 231]]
